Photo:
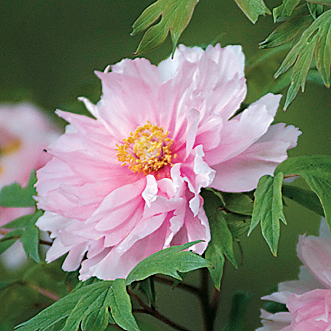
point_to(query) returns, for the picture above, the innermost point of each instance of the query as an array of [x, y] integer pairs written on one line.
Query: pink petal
[[315, 253]]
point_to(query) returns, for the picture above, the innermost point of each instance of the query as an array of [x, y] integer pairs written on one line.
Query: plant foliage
[[15, 196], [87, 308], [221, 243], [309, 30], [268, 205], [175, 16], [268, 209], [253, 8], [170, 261]]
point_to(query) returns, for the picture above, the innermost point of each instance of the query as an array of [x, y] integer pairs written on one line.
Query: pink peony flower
[[309, 298], [126, 184], [24, 133]]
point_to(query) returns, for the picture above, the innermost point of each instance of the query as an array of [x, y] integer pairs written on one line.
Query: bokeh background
[[49, 50]]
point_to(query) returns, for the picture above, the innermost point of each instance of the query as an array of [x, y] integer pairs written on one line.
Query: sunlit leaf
[[169, 261], [174, 16], [253, 8], [285, 9], [120, 306], [314, 40], [77, 307], [268, 209], [316, 170], [289, 30], [15, 196]]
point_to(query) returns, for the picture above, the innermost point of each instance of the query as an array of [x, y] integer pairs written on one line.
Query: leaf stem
[[41, 241], [186, 287], [152, 311], [44, 292], [208, 306]]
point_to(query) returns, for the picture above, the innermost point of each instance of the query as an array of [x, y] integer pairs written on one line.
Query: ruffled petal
[[315, 253]]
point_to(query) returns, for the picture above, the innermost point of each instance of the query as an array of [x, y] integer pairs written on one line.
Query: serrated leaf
[[91, 312], [28, 233], [175, 16], [268, 209], [253, 8], [314, 40], [285, 9], [72, 307], [316, 170], [121, 306], [221, 242], [169, 262], [15, 196], [304, 197], [289, 30]]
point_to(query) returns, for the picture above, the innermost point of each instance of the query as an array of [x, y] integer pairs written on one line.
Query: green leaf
[[5, 244], [221, 242], [28, 233], [169, 262], [30, 241], [316, 170], [253, 8], [289, 30], [285, 9], [315, 10], [12, 234], [121, 306], [238, 224], [238, 203], [77, 307], [304, 197], [237, 317], [146, 286], [321, 2], [175, 16], [315, 40], [15, 196], [268, 209]]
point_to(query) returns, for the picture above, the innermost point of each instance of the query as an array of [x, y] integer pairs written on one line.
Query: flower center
[[147, 149], [9, 144]]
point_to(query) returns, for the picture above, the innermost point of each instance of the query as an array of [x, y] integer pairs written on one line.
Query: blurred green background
[[49, 51]]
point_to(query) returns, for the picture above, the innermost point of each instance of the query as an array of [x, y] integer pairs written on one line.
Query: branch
[[186, 287], [151, 311]]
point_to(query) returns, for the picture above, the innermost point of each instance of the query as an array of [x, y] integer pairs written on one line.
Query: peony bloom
[[126, 184], [308, 299], [24, 133]]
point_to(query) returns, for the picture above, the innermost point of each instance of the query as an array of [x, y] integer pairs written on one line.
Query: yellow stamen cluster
[[10, 147], [146, 150]]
